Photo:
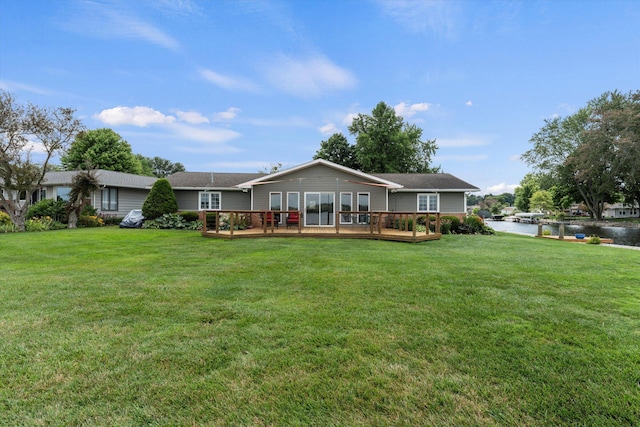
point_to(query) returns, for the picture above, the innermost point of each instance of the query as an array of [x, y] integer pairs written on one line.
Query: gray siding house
[[119, 193], [319, 189]]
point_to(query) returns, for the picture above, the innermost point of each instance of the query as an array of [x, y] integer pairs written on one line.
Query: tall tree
[[21, 130], [158, 167], [614, 138], [337, 149], [579, 152], [386, 144], [83, 184], [104, 149]]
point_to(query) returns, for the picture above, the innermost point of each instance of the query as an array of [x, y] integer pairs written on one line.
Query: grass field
[[149, 327]]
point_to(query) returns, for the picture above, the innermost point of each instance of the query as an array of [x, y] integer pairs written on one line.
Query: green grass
[[150, 327]]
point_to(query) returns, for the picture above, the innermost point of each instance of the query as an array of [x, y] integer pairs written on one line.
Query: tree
[[161, 200], [83, 184], [21, 130], [580, 152], [386, 144], [104, 149], [528, 186], [273, 168], [541, 201], [158, 167], [615, 132], [337, 149]]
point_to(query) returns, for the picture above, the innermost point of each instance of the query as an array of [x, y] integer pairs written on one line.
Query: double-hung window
[[109, 199], [210, 200], [428, 202]]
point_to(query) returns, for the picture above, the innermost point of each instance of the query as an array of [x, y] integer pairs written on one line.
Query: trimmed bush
[[161, 200], [172, 221], [189, 216], [48, 207]]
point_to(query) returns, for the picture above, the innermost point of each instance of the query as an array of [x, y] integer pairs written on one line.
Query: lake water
[[621, 235]]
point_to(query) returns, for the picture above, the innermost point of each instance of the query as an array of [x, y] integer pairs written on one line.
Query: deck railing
[[373, 222]]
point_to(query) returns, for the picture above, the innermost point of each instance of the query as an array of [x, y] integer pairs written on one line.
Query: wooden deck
[[351, 231]]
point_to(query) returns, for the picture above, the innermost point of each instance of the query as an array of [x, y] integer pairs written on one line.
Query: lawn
[[150, 327]]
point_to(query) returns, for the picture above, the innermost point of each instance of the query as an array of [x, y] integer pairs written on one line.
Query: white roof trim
[[345, 169], [437, 190]]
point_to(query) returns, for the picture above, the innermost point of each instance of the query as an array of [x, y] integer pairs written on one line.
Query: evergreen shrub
[[161, 200]]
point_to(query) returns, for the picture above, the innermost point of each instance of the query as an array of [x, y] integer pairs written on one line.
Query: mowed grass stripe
[[130, 327]]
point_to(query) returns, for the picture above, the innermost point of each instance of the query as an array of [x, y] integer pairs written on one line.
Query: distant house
[[621, 210], [119, 192], [319, 189]]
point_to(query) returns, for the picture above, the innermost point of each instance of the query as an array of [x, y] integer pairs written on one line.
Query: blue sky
[[238, 86]]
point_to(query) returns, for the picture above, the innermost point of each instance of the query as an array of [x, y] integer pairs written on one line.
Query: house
[[119, 192], [319, 189], [621, 210]]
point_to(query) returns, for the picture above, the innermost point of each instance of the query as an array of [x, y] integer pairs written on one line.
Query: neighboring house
[[621, 210], [319, 189], [119, 192]]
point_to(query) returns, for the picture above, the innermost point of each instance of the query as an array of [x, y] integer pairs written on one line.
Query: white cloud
[[328, 129], [11, 86], [348, 119], [192, 117], [408, 110], [439, 17], [226, 116], [226, 82], [206, 135], [136, 116], [308, 77], [468, 104], [501, 188], [113, 21], [515, 158]]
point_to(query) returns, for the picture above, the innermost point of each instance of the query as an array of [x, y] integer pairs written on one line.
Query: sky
[[241, 86]]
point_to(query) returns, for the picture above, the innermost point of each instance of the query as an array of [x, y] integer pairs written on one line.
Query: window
[[275, 201], [428, 202], [62, 193], [109, 199], [363, 206], [293, 201], [210, 200], [346, 204]]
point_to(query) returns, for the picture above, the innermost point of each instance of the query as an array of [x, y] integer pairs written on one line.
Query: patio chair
[[272, 218], [293, 218]]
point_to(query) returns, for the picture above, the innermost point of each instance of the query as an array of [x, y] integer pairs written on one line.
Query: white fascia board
[[345, 169]]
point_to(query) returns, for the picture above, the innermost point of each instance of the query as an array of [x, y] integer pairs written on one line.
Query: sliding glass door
[[319, 209]]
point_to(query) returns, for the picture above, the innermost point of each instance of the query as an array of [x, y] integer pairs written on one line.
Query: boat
[[529, 217]]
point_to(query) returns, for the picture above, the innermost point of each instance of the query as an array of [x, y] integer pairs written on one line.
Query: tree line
[[590, 157]]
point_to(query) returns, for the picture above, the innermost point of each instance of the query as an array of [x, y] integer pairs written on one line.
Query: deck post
[[380, 223], [437, 222], [217, 221], [415, 225], [338, 223], [231, 223]]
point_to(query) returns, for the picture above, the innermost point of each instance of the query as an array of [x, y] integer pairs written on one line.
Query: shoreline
[[592, 223]]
